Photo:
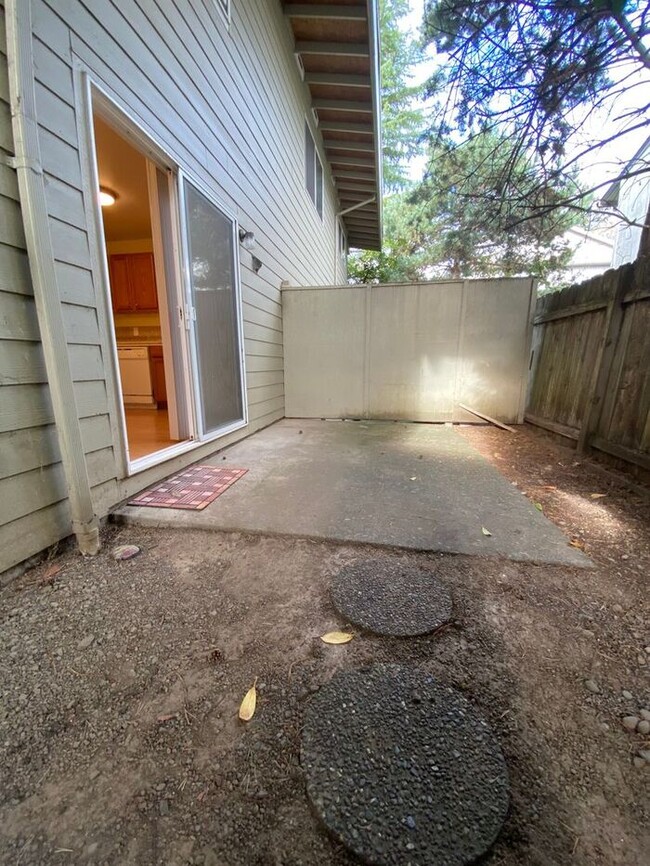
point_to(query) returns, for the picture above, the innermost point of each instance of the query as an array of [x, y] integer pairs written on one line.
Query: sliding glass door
[[214, 313]]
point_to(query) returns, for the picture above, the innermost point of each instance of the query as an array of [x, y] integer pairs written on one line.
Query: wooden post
[[602, 367]]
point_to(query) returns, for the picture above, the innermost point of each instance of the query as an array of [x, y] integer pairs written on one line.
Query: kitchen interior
[[126, 213]]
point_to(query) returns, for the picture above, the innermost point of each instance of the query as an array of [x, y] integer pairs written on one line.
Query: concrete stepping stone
[[402, 769], [391, 598]]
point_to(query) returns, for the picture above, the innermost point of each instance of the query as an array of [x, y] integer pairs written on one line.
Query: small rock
[[627, 695], [163, 806], [592, 686], [645, 714], [641, 659], [86, 642], [625, 556], [647, 649], [125, 551], [645, 754], [604, 727], [643, 727], [617, 608], [638, 762], [410, 822], [630, 723]]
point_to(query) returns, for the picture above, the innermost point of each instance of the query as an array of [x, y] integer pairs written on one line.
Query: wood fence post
[[602, 367]]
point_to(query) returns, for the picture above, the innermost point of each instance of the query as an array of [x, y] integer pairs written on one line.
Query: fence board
[[590, 372]]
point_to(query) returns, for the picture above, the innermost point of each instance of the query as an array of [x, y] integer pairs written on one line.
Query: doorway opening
[[136, 215]]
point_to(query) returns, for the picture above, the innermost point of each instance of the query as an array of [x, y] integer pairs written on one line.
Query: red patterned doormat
[[194, 488]]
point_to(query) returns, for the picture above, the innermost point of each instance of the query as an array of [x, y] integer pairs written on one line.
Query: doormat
[[194, 488]]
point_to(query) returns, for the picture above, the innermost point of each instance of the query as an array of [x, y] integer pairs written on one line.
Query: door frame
[[91, 93], [182, 176]]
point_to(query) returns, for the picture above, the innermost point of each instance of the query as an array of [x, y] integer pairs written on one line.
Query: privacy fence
[[590, 363], [414, 352]]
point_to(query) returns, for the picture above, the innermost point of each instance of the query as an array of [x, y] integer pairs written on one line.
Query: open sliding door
[[214, 314]]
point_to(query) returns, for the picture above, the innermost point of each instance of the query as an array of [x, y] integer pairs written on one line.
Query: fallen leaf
[[597, 495], [549, 487], [575, 542], [485, 531], [539, 506], [337, 637], [247, 706]]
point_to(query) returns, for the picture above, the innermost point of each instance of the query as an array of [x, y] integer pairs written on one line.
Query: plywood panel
[[413, 348], [493, 348], [324, 345]]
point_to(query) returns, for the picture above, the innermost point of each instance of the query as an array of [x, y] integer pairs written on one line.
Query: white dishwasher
[[135, 374]]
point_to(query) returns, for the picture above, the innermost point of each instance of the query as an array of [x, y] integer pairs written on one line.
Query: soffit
[[338, 47]]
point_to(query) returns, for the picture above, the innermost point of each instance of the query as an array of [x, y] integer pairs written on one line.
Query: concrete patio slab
[[417, 486]]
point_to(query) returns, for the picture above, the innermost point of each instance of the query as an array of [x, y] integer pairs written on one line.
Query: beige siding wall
[[228, 104]]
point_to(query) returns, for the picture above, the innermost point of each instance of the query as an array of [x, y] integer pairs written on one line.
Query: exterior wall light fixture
[[247, 240]]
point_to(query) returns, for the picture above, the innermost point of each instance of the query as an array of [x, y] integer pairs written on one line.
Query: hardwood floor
[[147, 431]]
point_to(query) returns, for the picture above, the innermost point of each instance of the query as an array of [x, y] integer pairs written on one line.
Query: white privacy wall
[[412, 352]]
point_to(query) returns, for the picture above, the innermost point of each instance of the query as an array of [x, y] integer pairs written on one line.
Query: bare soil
[[121, 681]]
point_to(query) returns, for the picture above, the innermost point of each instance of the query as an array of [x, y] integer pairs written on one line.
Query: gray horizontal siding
[[33, 502]]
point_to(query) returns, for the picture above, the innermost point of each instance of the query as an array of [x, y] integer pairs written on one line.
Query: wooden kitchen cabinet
[[157, 366], [133, 282]]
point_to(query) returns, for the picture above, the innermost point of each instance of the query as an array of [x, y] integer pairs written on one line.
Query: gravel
[[395, 598], [402, 769]]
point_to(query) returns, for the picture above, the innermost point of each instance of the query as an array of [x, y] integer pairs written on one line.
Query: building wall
[[228, 104], [33, 503], [633, 201]]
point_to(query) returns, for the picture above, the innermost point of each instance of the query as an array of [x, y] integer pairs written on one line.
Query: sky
[[604, 165]]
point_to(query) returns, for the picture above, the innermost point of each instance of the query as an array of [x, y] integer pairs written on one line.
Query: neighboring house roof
[[611, 196], [338, 47]]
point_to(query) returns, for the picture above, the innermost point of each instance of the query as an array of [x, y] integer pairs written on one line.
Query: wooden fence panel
[[627, 424], [590, 374], [567, 354]]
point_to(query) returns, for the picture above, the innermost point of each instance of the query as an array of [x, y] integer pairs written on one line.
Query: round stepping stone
[[402, 769], [391, 598]]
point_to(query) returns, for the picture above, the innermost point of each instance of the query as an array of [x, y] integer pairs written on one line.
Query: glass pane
[[319, 187], [214, 296], [310, 156]]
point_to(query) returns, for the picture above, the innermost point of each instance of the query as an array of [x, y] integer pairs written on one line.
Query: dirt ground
[[121, 682]]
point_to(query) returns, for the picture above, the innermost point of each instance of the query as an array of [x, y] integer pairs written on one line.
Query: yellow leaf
[[247, 707], [597, 495], [337, 637], [539, 506], [485, 531]]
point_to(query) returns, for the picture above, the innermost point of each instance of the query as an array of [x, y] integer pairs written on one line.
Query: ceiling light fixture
[[106, 196]]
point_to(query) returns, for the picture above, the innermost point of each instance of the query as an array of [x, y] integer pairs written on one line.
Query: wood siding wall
[[33, 499], [591, 363], [227, 103]]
